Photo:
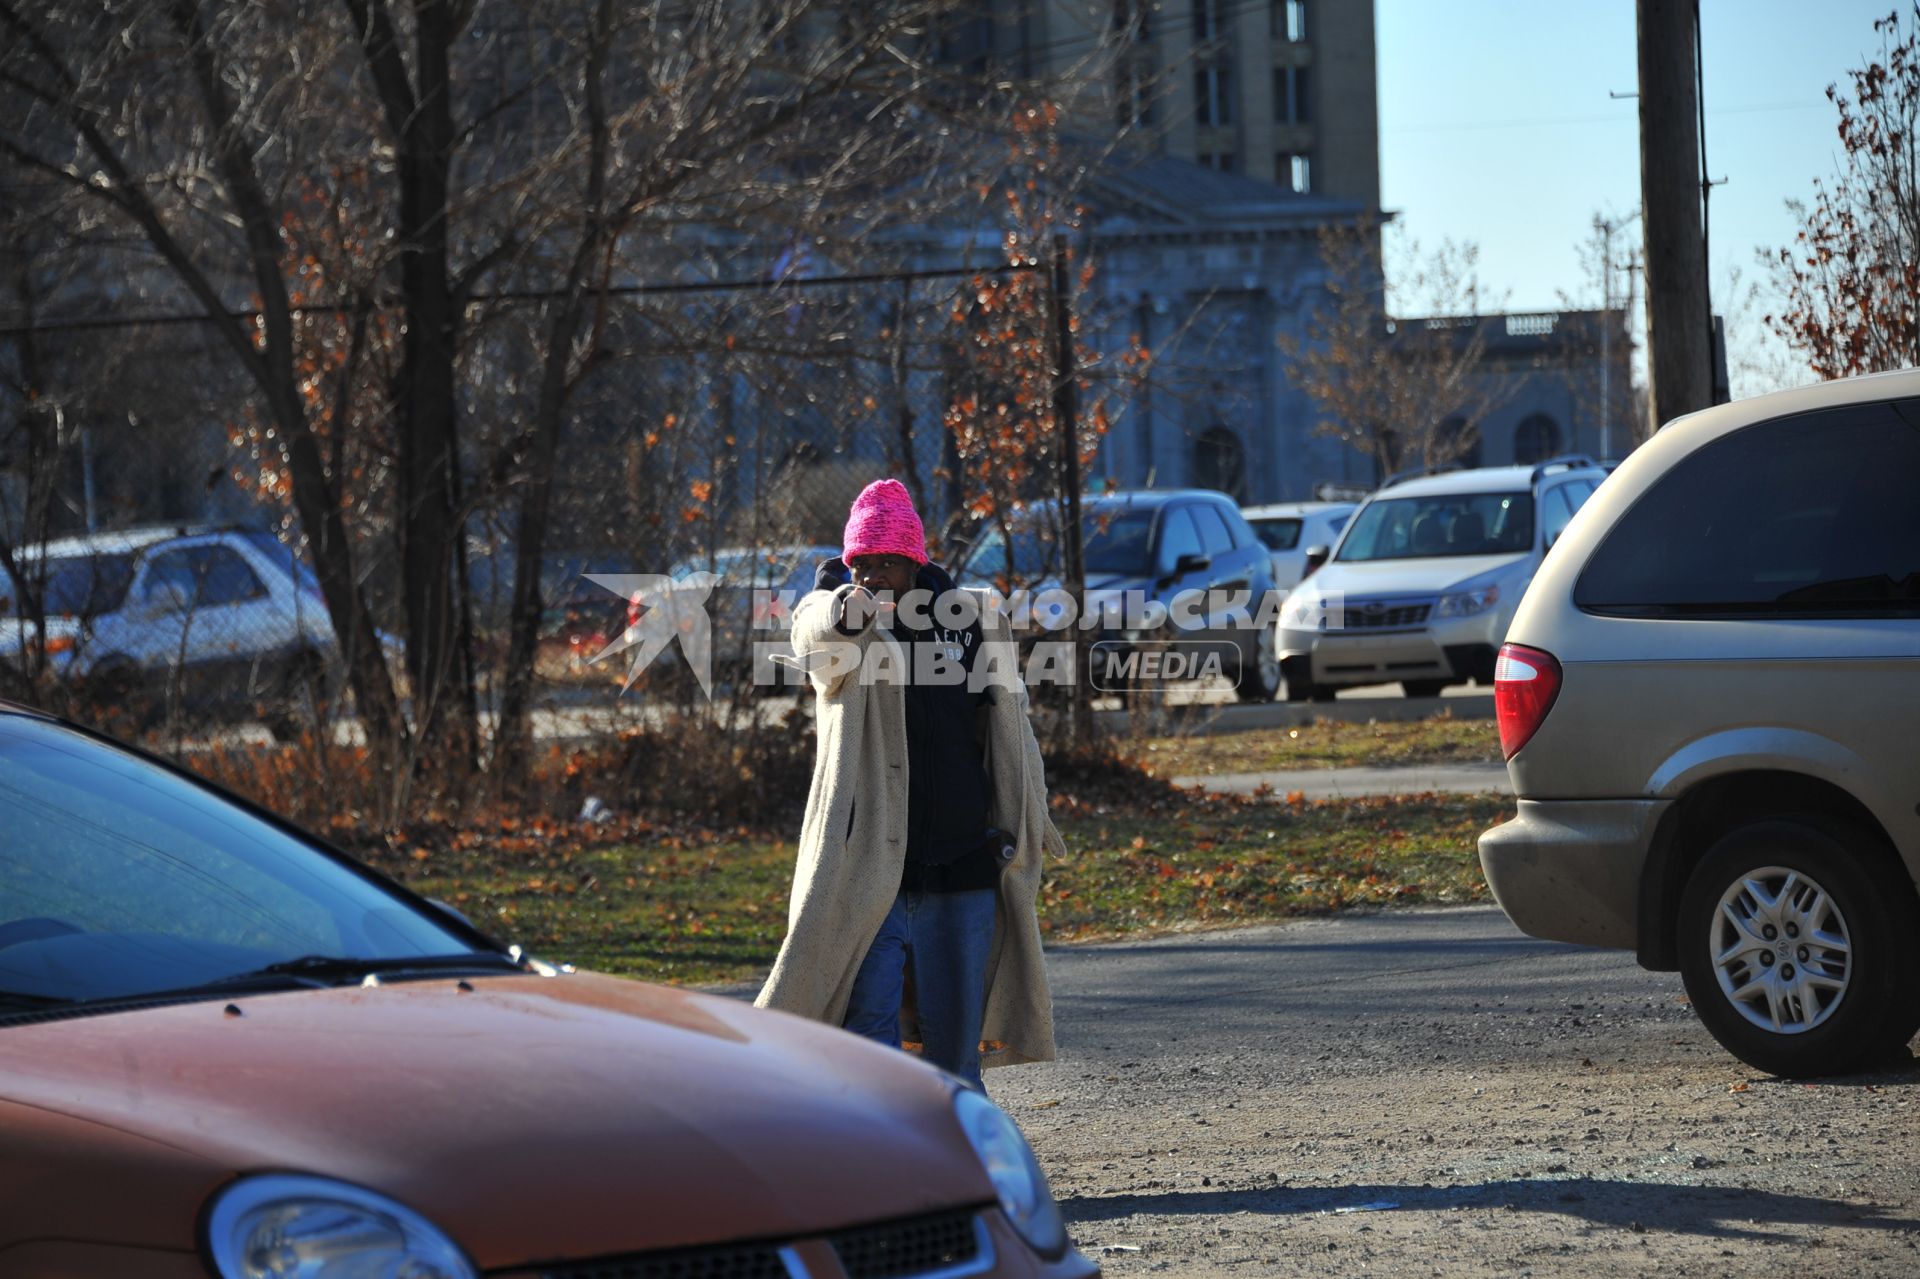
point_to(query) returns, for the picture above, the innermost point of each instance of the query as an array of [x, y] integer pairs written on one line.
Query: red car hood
[[531, 1118]]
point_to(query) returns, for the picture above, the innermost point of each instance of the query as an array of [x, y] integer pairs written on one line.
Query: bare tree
[[738, 133], [163, 120], [1390, 387], [1852, 277]]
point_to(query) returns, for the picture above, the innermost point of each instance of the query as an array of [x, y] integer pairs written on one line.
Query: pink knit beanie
[[883, 522]]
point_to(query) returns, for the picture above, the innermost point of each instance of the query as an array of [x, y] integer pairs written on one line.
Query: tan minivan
[[1709, 701]]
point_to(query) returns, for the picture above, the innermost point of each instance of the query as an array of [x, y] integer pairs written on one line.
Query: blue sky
[[1496, 128]]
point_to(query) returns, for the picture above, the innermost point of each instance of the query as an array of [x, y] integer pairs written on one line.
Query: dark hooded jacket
[[949, 845]]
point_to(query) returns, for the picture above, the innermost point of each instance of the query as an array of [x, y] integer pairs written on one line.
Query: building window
[[1536, 439], [1133, 94], [1219, 160], [1133, 18], [1213, 95], [1292, 103], [1207, 25], [1294, 171], [1290, 21], [1219, 462]]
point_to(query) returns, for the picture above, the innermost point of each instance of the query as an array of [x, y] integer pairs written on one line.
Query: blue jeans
[[947, 936]]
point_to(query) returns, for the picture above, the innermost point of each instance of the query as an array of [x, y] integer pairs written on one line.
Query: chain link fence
[[154, 575]]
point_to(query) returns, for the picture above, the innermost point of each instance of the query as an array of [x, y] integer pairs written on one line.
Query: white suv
[[190, 617], [1426, 578]]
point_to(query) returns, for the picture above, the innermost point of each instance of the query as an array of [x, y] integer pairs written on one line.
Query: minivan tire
[[1802, 877]]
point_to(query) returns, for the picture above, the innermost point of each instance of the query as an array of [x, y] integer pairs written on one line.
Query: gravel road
[[1428, 1092]]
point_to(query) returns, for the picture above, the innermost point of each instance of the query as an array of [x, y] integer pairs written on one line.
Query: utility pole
[[1066, 414], [1607, 227], [1679, 336]]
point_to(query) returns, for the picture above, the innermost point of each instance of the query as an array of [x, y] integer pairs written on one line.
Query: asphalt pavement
[[1429, 1092], [1346, 980]]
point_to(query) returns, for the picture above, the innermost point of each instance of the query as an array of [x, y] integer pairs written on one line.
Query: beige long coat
[[853, 839]]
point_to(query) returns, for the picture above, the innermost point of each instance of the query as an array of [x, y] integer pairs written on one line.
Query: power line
[[95, 323]]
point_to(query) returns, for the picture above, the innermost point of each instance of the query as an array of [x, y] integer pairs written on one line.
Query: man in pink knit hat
[[904, 870]]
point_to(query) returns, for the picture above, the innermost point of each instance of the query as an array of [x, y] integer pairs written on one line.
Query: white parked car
[[1426, 577], [1289, 528], [196, 618]]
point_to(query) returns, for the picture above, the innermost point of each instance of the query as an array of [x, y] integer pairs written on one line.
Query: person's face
[[886, 576]]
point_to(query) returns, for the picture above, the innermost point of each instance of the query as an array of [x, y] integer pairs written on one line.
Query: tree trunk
[[314, 496], [512, 738], [419, 112]]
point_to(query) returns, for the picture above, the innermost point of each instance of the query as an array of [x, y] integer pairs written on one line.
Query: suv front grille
[[1359, 615], [946, 1243]]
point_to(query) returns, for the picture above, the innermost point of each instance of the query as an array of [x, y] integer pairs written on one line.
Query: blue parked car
[[1161, 544]]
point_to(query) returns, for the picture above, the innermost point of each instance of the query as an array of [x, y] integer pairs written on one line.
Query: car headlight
[[1301, 608], [286, 1227], [1014, 1172], [1467, 603]]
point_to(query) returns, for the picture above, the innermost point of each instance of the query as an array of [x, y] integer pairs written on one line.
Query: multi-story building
[[1547, 383], [1280, 90]]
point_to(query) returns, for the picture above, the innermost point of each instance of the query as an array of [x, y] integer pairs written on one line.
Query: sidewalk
[[1350, 783]]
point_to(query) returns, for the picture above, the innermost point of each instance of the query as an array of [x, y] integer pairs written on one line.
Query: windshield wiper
[[307, 972], [327, 969], [317, 972]]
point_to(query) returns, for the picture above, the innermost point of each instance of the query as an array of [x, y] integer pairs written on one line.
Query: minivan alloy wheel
[[1794, 936], [1781, 950]]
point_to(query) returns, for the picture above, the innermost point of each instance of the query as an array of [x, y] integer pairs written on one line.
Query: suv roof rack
[[1571, 461], [1417, 473]]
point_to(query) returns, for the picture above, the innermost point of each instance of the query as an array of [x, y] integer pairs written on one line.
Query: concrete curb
[[1351, 783], [1204, 719]]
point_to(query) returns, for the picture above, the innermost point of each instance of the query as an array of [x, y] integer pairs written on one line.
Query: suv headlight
[[1014, 1172], [1467, 603], [287, 1227]]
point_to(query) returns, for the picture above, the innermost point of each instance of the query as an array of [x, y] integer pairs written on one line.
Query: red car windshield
[[120, 878]]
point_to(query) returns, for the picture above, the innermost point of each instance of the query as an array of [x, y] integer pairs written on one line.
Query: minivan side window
[[1807, 516]]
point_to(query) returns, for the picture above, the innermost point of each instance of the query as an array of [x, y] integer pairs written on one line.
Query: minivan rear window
[[1811, 515]]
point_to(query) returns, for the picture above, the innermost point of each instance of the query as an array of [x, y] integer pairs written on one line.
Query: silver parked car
[[207, 618], [1426, 578], [1290, 528], [1708, 701]]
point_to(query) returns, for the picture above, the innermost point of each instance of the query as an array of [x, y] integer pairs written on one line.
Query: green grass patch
[[1221, 861], [707, 908], [1440, 739]]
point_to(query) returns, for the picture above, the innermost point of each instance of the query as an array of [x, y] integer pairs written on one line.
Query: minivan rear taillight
[[1525, 682]]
